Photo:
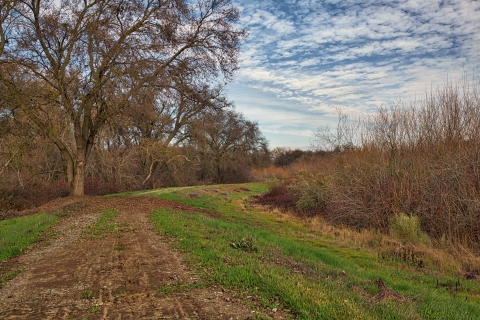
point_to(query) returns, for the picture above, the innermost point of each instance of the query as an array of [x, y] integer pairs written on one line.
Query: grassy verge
[[283, 265], [18, 233]]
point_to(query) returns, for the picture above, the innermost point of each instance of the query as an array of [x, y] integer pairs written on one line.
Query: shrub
[[246, 244], [271, 172], [285, 157], [311, 190], [97, 187], [421, 157], [17, 199], [407, 229], [278, 197]]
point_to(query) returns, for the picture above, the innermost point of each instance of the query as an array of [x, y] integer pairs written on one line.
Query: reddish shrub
[[18, 199], [97, 187]]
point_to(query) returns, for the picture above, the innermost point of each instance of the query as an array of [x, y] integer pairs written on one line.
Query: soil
[[112, 276]]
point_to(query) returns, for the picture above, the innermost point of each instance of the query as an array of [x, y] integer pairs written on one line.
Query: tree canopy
[[69, 70]]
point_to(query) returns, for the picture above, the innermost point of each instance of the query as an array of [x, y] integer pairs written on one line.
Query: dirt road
[[114, 275]]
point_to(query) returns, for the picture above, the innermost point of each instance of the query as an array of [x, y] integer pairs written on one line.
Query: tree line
[[127, 92]]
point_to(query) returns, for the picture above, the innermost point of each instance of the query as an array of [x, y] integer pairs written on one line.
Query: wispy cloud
[[305, 58], [317, 55]]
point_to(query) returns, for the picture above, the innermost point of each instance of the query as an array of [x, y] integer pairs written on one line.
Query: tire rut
[[114, 276]]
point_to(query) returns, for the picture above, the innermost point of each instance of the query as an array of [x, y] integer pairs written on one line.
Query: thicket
[[32, 171], [419, 161]]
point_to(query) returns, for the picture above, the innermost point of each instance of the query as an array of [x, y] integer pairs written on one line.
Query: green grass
[[287, 264], [9, 276], [87, 294], [17, 234], [103, 224], [93, 309], [180, 286]]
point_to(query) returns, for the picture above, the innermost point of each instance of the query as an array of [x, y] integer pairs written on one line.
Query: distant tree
[[284, 157], [228, 143], [345, 138], [158, 126], [71, 69]]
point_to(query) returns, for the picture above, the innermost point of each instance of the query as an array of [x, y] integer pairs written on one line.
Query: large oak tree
[[69, 69]]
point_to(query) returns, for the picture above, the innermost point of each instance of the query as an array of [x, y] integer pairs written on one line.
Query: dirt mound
[[115, 275]]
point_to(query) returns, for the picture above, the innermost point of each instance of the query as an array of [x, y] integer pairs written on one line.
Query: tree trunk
[[77, 186], [77, 183], [219, 172]]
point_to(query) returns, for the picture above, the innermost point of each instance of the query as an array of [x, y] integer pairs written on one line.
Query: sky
[[305, 58]]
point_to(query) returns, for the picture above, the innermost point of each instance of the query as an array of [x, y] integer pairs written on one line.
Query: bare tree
[[226, 139], [157, 124], [71, 68], [344, 138]]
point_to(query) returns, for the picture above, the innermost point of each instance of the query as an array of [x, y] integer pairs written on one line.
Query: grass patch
[[87, 294], [8, 276], [120, 293], [245, 244], [295, 268], [17, 234], [93, 309], [103, 224], [180, 286]]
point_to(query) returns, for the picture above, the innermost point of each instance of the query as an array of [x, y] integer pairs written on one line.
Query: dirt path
[[113, 276], [160, 191]]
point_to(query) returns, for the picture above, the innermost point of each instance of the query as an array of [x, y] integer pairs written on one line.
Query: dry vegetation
[[409, 170]]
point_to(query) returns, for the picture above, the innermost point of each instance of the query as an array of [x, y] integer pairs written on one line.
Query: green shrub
[[407, 229], [245, 244], [310, 188]]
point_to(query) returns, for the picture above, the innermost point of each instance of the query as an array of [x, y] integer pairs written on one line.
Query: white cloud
[[315, 56]]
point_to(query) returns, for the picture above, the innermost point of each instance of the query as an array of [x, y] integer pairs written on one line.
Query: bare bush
[[421, 158]]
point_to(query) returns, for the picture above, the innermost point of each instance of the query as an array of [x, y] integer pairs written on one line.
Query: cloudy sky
[[304, 58]]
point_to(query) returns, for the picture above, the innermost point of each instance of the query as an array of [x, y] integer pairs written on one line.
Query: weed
[[93, 309], [9, 276], [270, 174], [87, 294], [180, 286], [104, 224], [245, 244], [61, 213], [311, 189], [121, 293], [407, 229], [119, 248]]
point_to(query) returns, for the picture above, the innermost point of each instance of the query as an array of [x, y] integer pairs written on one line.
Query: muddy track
[[115, 275]]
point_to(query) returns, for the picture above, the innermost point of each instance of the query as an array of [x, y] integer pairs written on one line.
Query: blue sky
[[305, 58]]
